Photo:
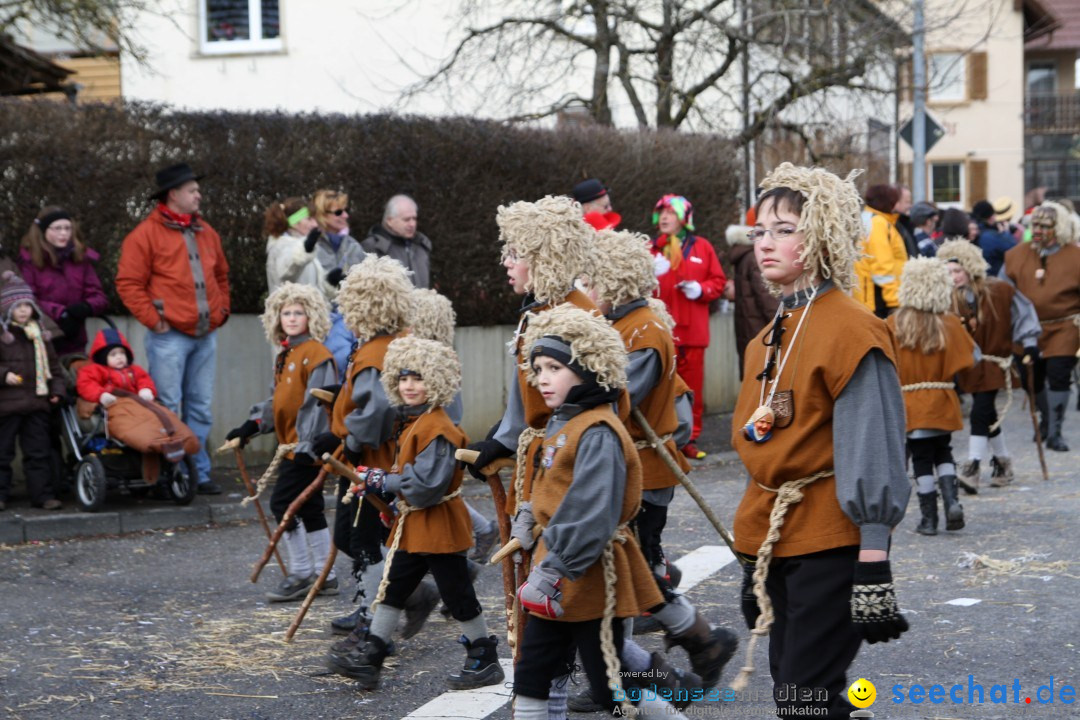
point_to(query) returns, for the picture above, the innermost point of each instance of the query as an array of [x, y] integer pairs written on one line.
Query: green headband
[[301, 214]]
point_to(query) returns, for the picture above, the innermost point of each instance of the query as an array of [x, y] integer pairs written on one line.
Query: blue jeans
[[182, 367]]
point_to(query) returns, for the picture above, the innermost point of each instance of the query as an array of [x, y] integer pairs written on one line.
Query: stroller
[[103, 463]]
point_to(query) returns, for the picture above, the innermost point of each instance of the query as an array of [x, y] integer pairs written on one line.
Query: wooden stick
[[511, 547], [1030, 373], [323, 396], [344, 470], [662, 451], [229, 445], [290, 513], [258, 506], [316, 588]]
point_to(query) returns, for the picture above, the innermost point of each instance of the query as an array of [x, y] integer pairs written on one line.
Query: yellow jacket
[[882, 261]]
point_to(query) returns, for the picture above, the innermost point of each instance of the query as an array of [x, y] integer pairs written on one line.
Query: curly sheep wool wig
[[432, 316], [315, 307], [925, 284], [435, 362], [375, 297], [594, 344], [622, 267], [967, 255]]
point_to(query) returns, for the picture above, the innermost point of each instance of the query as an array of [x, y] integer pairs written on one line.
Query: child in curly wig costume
[[432, 532], [829, 478], [587, 568], [296, 320], [933, 347]]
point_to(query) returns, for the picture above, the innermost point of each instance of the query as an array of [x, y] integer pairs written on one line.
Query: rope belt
[[404, 511], [642, 444], [268, 474], [927, 386], [1074, 319], [1005, 363], [524, 441], [788, 494], [607, 636]]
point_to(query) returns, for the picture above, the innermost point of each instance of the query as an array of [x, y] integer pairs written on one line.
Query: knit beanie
[[13, 291], [677, 204]]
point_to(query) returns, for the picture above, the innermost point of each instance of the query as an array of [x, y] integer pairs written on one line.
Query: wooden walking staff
[[234, 445], [1029, 371], [316, 588], [290, 512], [662, 451], [344, 470], [511, 574]]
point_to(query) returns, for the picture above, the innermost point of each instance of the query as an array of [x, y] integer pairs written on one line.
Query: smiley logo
[[862, 693]]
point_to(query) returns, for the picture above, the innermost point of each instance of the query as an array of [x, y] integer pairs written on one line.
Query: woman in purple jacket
[[59, 268]]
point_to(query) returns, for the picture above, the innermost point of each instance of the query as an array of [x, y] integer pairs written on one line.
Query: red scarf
[[184, 220]]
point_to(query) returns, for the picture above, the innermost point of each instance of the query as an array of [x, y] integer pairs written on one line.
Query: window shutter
[[977, 76], [905, 174], [907, 80], [976, 184]]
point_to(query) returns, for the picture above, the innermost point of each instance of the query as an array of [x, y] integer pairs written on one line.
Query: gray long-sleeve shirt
[[372, 422], [311, 419], [424, 481], [589, 513]]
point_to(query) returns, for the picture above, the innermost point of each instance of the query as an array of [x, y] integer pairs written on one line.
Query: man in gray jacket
[[398, 237]]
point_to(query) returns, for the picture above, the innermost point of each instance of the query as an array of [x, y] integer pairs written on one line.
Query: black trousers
[[649, 526], [363, 543], [547, 652], [813, 640], [928, 453], [293, 479], [1055, 371], [32, 432], [451, 573], [984, 413]]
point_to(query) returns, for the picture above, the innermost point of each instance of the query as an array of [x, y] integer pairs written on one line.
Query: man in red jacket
[[173, 277], [690, 278]]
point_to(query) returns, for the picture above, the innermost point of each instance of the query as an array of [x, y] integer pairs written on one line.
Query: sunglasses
[[341, 211]]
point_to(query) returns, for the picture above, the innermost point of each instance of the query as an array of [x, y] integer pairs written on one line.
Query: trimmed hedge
[[99, 161]]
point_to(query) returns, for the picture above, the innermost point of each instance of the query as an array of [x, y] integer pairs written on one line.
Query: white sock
[[558, 694], [925, 483], [634, 657], [370, 578], [475, 629], [977, 445], [946, 469], [480, 523], [528, 708], [299, 560], [319, 542], [997, 446]]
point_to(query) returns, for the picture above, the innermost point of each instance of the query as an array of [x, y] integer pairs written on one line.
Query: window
[[1041, 79], [946, 183], [945, 75], [239, 26]]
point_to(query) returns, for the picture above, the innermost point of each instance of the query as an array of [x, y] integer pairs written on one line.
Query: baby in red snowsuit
[[113, 367]]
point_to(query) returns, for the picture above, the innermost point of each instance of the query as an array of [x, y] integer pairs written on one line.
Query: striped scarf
[[41, 357]]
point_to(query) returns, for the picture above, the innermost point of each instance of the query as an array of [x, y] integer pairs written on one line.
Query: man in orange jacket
[[173, 277]]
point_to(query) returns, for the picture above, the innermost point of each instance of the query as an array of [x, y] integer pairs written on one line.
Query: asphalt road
[[166, 624]]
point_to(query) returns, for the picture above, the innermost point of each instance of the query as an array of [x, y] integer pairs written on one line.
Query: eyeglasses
[[340, 211], [780, 233]]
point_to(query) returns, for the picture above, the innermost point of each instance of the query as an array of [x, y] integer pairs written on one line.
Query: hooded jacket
[[877, 272], [97, 377], [18, 357], [700, 264]]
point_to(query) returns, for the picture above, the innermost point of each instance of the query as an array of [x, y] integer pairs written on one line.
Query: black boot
[[928, 507], [481, 665], [709, 648], [680, 684], [1058, 399], [363, 663], [418, 607], [954, 511]]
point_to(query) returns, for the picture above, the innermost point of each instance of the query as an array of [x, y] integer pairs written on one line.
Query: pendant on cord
[[760, 425]]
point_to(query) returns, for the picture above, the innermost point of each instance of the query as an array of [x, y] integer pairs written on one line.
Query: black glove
[[873, 603], [748, 599], [311, 239], [1032, 351], [245, 431], [334, 276], [79, 310], [69, 325], [490, 450], [353, 456], [326, 442]]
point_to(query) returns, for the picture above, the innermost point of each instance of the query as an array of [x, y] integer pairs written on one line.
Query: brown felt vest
[[290, 387], [993, 335], [368, 355], [1055, 297], [934, 408]]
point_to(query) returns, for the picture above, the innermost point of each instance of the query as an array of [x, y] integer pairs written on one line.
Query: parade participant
[[374, 301], [827, 488], [932, 347], [1047, 272], [998, 316], [690, 277], [30, 385], [432, 532], [587, 568], [296, 321]]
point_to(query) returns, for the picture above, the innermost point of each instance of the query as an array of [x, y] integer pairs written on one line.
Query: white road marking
[[964, 602], [696, 567], [470, 704]]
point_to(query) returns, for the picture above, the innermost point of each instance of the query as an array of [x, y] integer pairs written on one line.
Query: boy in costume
[[827, 488]]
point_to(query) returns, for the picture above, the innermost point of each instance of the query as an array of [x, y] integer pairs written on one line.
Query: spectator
[[904, 225], [993, 243], [755, 306], [882, 256], [8, 264], [59, 268], [336, 251], [595, 200], [291, 238], [398, 237], [955, 225], [924, 218], [173, 277], [690, 278]]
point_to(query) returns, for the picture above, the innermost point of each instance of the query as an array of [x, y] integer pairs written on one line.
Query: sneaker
[[483, 542], [293, 587], [1001, 472], [691, 451], [330, 587], [208, 488], [347, 623], [967, 477]]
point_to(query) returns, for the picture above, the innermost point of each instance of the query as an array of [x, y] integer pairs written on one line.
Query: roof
[[1051, 24], [25, 72]]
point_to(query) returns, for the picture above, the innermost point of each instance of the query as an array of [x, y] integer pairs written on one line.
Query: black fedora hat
[[173, 177], [589, 190]]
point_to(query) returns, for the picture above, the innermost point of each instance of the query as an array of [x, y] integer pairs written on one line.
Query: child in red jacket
[[113, 367]]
